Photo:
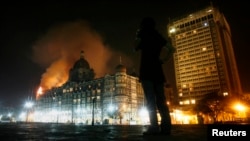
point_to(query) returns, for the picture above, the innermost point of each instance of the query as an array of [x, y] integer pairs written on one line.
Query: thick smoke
[[60, 47]]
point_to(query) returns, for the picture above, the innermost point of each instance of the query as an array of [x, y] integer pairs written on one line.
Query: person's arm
[[170, 51]]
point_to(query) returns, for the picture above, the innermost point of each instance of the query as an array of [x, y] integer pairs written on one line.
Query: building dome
[[121, 68], [81, 70], [81, 63]]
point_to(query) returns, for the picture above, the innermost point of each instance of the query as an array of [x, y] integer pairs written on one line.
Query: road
[[70, 132]]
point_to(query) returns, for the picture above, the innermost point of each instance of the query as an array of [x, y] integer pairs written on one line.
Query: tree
[[212, 104], [117, 113]]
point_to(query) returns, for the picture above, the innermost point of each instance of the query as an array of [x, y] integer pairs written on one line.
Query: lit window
[[180, 94], [192, 101], [205, 24], [225, 93], [98, 91], [204, 49], [210, 10], [218, 54], [187, 102], [172, 30]]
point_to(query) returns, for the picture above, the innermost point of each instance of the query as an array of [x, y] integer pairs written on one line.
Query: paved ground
[[63, 132]]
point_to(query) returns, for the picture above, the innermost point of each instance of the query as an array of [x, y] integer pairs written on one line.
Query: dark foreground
[[67, 132], [71, 132]]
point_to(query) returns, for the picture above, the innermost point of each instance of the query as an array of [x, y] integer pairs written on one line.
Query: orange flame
[[39, 92], [60, 47], [55, 75]]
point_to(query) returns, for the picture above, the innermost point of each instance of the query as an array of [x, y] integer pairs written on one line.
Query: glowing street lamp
[[111, 111], [241, 109], [111, 108], [144, 115], [93, 112], [28, 105], [9, 115]]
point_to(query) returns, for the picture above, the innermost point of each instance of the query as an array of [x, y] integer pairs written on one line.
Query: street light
[[28, 105], [93, 115], [239, 107], [144, 115], [241, 110], [111, 108], [111, 111]]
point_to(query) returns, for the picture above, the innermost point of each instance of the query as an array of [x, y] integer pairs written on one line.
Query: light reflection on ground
[[71, 132]]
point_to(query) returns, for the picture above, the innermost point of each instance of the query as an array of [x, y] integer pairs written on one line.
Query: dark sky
[[110, 23]]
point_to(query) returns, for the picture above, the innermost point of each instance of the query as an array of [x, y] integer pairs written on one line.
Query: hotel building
[[111, 99], [204, 60]]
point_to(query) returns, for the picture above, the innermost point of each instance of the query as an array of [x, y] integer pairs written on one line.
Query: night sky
[[35, 40]]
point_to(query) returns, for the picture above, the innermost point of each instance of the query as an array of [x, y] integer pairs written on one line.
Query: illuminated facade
[[204, 59], [112, 99]]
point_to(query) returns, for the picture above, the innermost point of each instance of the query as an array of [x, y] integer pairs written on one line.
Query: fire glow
[[60, 47], [39, 92]]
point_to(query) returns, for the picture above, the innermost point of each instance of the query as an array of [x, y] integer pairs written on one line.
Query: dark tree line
[[213, 105]]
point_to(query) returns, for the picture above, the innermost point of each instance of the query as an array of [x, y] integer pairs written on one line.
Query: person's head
[[147, 22]]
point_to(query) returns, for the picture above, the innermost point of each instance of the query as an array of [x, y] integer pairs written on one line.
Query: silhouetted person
[[150, 42]]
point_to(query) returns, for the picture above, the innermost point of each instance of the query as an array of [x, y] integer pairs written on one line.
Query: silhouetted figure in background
[[150, 42]]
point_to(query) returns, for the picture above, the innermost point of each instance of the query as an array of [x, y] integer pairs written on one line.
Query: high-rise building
[[113, 98], [204, 60]]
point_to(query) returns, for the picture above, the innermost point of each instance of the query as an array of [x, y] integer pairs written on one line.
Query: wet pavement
[[70, 132]]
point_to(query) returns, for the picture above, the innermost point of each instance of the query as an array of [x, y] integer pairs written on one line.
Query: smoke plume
[[60, 47]]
